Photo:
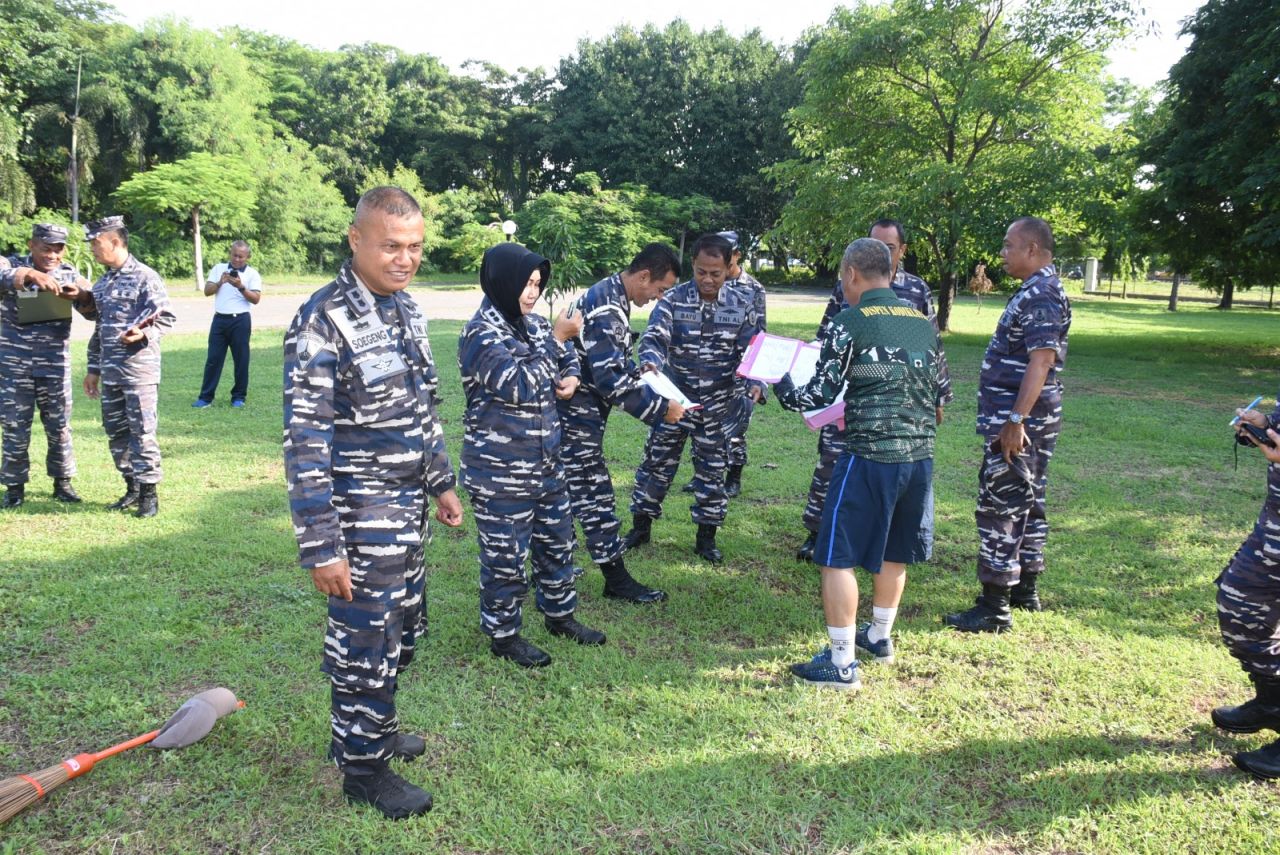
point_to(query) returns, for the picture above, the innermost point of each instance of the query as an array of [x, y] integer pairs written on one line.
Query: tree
[[681, 113], [1214, 201], [954, 116], [218, 186]]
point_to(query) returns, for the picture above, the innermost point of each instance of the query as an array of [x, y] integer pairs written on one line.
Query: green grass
[[1085, 730]]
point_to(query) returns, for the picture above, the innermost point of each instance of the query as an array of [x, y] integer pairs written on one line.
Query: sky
[[529, 33]]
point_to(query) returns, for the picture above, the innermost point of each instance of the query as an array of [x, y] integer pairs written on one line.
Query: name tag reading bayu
[[687, 315], [379, 367], [362, 333]]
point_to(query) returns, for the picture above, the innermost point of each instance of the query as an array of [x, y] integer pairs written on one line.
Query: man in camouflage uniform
[[1249, 613], [610, 379], [1020, 415], [697, 335], [515, 365], [363, 447], [884, 355], [124, 360], [35, 366], [908, 287]]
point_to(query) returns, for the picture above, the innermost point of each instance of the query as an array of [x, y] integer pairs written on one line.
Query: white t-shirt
[[229, 300]]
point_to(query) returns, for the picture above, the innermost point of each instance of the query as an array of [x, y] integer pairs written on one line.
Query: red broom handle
[[81, 763]]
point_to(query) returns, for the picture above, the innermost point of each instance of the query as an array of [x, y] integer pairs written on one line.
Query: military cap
[[1006, 486], [49, 233], [106, 224], [731, 237]]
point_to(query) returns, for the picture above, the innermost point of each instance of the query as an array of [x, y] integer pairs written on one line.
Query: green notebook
[[36, 307]]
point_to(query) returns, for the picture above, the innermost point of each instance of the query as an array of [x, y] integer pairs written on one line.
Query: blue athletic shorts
[[876, 512]]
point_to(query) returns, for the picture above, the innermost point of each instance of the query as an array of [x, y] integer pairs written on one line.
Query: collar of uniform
[[877, 296], [491, 314], [129, 264], [355, 293], [618, 293], [1046, 272]]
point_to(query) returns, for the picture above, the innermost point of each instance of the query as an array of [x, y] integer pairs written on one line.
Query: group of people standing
[[130, 308]]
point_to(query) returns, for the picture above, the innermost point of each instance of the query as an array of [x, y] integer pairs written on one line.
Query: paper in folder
[[769, 356], [35, 307]]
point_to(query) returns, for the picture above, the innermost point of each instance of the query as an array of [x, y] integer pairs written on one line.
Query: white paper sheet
[[662, 384], [806, 364]]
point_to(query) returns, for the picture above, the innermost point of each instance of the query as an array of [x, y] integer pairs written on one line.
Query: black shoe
[[129, 499], [393, 796], [14, 496], [641, 528], [1259, 713], [567, 627], [1024, 594], [805, 552], [688, 488], [148, 501], [733, 482], [619, 585], [519, 651], [990, 612], [64, 492], [408, 747], [705, 545], [1263, 764]]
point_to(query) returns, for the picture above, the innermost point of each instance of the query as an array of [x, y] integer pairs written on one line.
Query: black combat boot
[[1263, 764], [705, 545], [129, 499], [393, 796], [14, 496], [805, 552], [568, 627], [408, 747], [64, 492], [148, 501], [733, 482], [990, 612], [1262, 711], [519, 651], [641, 528], [1024, 594], [620, 585]]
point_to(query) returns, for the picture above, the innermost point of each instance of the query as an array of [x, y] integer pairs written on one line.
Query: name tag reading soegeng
[[363, 333]]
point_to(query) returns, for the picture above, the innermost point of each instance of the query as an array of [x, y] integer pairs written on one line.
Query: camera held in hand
[[1260, 434]]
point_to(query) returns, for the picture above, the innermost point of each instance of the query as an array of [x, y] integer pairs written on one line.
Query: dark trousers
[[228, 331]]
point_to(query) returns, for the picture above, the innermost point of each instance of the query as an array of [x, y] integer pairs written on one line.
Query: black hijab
[[504, 273]]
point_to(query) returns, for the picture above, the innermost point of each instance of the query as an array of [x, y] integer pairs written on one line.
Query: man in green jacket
[[883, 354]]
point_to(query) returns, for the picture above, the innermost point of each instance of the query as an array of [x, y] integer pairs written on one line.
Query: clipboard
[[38, 307]]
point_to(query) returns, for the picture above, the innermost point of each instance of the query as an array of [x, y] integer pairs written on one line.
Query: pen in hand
[[1256, 402]]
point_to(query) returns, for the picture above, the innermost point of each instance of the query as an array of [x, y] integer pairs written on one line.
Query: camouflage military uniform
[[126, 296], [609, 379], [362, 448], [511, 465], [1249, 587], [1011, 540], [914, 291], [35, 371], [698, 344], [738, 441]]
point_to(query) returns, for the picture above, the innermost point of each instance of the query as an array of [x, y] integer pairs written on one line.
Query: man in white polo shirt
[[235, 287]]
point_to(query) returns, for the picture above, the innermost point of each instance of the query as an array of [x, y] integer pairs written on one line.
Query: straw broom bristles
[[22, 791]]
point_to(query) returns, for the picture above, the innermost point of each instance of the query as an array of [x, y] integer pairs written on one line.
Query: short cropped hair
[[242, 244], [1036, 229], [657, 258], [387, 200], [713, 244], [869, 257], [889, 224]]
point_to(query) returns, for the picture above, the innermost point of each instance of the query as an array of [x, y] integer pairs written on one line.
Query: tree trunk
[[1228, 294], [1173, 292], [195, 231]]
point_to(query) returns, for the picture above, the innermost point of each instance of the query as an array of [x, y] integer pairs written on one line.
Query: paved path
[[195, 313]]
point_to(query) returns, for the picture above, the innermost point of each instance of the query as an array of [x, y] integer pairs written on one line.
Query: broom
[[190, 723]]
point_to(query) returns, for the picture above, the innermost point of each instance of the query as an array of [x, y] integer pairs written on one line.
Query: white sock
[[842, 649], [881, 623]]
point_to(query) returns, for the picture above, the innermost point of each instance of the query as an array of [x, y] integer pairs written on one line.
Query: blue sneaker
[[237, 404], [820, 671], [200, 405], [881, 651]]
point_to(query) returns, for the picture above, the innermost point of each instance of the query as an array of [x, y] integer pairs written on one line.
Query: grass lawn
[[1085, 730]]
